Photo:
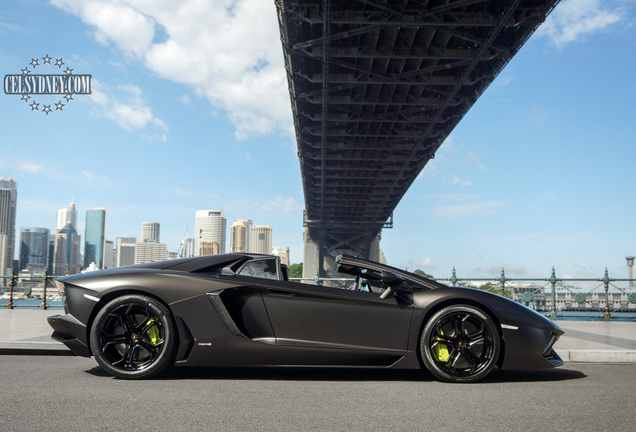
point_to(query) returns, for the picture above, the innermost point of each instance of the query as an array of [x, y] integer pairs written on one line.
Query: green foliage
[[295, 270], [423, 273]]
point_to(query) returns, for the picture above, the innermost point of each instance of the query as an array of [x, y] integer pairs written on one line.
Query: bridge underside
[[376, 87]]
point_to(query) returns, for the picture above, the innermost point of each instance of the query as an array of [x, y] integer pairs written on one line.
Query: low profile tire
[[134, 336], [460, 343]]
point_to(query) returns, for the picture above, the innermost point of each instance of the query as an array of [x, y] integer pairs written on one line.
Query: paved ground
[[26, 331], [54, 393]]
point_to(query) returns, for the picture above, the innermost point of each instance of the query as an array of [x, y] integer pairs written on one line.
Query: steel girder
[[377, 85]]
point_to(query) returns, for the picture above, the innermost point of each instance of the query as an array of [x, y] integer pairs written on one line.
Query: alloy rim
[[131, 337]]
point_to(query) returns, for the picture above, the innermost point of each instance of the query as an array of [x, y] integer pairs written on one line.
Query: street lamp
[[630, 264]]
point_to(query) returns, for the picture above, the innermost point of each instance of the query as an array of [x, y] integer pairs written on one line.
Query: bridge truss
[[376, 87]]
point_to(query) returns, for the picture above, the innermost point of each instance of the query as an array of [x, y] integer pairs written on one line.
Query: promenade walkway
[[26, 331]]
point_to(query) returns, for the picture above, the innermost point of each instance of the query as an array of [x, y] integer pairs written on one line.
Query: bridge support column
[[322, 248]]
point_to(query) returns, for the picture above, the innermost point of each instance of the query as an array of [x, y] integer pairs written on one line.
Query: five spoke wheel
[[460, 343], [133, 336]]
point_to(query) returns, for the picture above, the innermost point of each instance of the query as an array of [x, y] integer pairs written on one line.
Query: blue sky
[[190, 110]]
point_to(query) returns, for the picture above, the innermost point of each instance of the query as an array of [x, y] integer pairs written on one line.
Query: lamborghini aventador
[[242, 310]]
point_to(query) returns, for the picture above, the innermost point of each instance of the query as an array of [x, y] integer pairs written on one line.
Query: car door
[[317, 316]]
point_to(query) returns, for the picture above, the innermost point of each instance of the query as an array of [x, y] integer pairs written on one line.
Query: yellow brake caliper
[[153, 332], [441, 350]]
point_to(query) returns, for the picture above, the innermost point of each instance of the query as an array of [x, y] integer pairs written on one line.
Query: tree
[[295, 270], [423, 273]]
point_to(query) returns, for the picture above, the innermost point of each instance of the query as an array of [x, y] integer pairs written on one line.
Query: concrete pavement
[[26, 331]]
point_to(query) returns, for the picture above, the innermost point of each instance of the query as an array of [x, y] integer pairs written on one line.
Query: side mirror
[[393, 281]]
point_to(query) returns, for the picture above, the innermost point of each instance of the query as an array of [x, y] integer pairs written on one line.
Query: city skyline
[[537, 174]]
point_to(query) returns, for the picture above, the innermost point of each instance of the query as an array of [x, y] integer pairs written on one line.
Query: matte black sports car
[[241, 310]]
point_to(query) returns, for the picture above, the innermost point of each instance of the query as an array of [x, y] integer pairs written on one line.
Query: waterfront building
[[8, 203], [125, 251], [283, 253], [186, 249], [209, 226], [240, 235], [66, 215], [34, 250], [150, 232], [209, 248], [109, 254], [150, 252], [261, 239], [66, 251], [94, 237]]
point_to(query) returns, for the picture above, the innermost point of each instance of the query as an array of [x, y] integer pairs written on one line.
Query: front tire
[[460, 343], [134, 336]]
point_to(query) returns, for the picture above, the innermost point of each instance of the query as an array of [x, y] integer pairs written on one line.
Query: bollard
[[11, 285], [553, 310], [45, 277]]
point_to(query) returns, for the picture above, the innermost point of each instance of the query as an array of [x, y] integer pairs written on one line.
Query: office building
[[240, 235], [150, 232], [186, 249], [283, 253], [209, 248], [34, 250], [150, 252], [125, 251], [8, 202], [66, 251], [94, 237], [66, 215], [209, 226], [261, 239]]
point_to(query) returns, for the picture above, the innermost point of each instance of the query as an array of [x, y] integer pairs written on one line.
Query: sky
[[190, 110]]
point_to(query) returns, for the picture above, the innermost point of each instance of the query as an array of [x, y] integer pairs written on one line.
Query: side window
[[265, 269]]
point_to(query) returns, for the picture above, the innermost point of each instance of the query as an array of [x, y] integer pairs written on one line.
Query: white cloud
[[228, 51], [457, 181], [183, 192], [426, 263], [285, 205], [573, 20], [133, 113], [87, 174], [30, 167], [509, 269], [469, 209], [248, 156]]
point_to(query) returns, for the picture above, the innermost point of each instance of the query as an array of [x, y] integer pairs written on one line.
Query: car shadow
[[343, 374]]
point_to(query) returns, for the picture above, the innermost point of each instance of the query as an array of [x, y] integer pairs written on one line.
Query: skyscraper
[[94, 237], [34, 249], [65, 216], [209, 226], [8, 200], [125, 251], [261, 239], [240, 235], [66, 251], [150, 232]]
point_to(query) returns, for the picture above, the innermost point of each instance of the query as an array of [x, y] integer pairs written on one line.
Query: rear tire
[[134, 336], [460, 343]]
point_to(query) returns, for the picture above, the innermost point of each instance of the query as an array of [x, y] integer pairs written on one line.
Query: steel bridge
[[376, 86]]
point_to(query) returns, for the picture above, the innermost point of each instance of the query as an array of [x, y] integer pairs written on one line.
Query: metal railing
[[498, 285], [501, 283]]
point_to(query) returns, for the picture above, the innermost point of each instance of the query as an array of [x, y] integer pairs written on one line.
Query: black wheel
[[134, 336], [460, 343]]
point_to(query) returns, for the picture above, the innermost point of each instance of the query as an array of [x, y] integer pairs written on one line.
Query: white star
[[47, 109], [34, 106], [59, 62], [25, 71], [68, 71], [47, 59], [68, 97], [25, 97], [59, 105], [34, 62]]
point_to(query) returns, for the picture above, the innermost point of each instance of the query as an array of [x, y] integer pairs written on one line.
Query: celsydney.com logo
[[64, 85]]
